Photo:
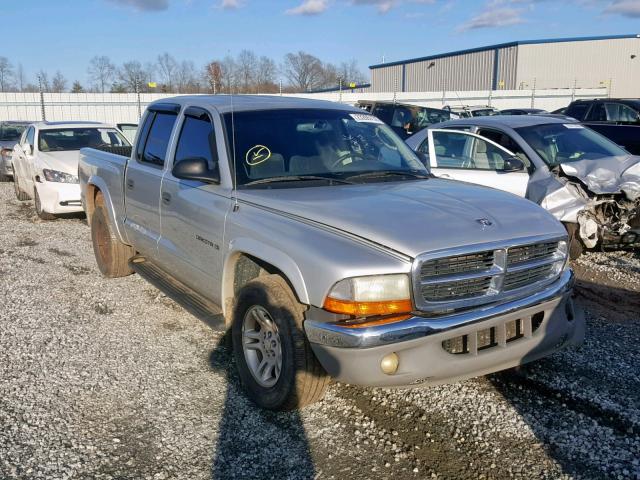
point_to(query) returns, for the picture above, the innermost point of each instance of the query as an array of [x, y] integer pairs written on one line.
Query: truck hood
[[66, 161], [607, 175], [413, 217]]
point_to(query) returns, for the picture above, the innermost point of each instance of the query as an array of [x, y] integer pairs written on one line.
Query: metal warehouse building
[[585, 62]]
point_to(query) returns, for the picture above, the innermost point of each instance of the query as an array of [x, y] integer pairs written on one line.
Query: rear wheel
[[276, 365], [38, 205], [20, 195], [112, 256]]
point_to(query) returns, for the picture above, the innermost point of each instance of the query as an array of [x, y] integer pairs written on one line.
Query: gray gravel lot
[[110, 379]]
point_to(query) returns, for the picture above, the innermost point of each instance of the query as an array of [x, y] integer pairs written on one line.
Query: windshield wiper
[[387, 173], [295, 178]]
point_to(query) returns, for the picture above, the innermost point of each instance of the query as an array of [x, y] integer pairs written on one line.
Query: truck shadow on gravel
[[252, 442], [570, 403]]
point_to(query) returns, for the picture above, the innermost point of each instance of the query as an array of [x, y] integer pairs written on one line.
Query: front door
[[193, 213], [471, 158]]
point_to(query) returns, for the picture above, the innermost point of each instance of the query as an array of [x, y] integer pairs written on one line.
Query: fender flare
[[265, 253], [101, 185]]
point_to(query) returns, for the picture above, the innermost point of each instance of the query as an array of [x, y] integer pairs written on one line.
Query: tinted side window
[[384, 113], [619, 112], [507, 142], [577, 110], [144, 132], [597, 113], [155, 149], [196, 140]]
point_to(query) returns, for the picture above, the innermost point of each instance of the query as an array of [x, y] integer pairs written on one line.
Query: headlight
[[563, 257], [60, 177], [6, 153], [371, 295]]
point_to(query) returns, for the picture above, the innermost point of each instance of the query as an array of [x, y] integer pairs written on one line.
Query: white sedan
[[45, 163]]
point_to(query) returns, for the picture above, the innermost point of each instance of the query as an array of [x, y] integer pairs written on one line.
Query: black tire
[[302, 379], [4, 178], [576, 248], [20, 194], [38, 206], [112, 256]]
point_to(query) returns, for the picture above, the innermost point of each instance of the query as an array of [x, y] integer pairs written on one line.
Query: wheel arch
[[95, 186], [250, 259]]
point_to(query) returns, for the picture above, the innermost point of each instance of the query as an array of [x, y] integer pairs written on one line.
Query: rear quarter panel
[[104, 171]]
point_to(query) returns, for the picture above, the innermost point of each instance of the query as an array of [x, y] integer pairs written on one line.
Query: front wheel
[[38, 206], [20, 195], [576, 248], [276, 365]]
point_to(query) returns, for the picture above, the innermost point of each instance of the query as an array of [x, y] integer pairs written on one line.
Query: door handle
[[166, 198], [130, 183]]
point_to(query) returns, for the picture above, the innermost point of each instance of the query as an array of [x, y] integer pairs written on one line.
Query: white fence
[[126, 107]]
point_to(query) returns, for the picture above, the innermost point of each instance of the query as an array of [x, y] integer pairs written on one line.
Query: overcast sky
[[55, 35]]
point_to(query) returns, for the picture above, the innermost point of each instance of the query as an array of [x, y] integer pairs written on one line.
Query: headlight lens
[[60, 177], [371, 295], [563, 252], [6, 154]]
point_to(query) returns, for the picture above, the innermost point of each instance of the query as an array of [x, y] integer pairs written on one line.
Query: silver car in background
[[586, 181], [10, 133]]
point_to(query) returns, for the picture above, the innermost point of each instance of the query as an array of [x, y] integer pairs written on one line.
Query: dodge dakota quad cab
[[329, 247]]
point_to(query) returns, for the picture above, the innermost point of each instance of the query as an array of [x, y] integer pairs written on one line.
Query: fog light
[[389, 363]]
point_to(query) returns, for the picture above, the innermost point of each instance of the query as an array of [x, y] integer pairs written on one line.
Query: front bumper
[[354, 355], [59, 198]]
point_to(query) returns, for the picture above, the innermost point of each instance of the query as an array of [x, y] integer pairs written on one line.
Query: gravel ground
[[110, 379]]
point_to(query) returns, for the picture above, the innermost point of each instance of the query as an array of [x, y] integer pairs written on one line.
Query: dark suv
[[405, 119], [615, 118]]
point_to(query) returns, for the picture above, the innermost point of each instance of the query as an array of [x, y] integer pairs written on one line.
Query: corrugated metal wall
[[507, 66], [589, 63], [387, 79], [469, 71]]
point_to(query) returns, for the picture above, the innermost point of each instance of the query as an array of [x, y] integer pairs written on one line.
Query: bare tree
[[6, 74], [213, 76], [133, 74], [101, 72], [58, 83], [246, 63], [265, 75], [304, 71], [350, 72], [168, 67], [21, 79], [186, 78]]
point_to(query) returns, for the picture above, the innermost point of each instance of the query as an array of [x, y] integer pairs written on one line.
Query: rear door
[[471, 158], [144, 176], [193, 212]]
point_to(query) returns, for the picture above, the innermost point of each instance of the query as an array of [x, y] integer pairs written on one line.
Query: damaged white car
[[586, 181]]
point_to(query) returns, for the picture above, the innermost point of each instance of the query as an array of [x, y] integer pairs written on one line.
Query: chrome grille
[[527, 253], [458, 264], [518, 279], [463, 278]]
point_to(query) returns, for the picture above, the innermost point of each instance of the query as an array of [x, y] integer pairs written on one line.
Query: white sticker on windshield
[[573, 125], [363, 117]]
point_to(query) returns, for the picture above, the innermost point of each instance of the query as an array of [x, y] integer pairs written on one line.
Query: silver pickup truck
[[329, 247]]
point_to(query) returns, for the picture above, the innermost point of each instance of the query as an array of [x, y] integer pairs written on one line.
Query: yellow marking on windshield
[[257, 155]]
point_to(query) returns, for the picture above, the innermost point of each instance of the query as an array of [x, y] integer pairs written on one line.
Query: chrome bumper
[[334, 335]]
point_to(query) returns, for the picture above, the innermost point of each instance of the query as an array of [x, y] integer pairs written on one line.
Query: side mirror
[[196, 168], [513, 164]]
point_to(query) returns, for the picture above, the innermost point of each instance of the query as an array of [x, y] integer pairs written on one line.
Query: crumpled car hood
[[415, 216], [607, 175]]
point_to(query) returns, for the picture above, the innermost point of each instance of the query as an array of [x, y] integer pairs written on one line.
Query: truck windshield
[[562, 143], [63, 139], [11, 131], [290, 144]]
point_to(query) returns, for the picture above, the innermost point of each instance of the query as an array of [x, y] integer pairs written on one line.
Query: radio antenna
[[233, 152]]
